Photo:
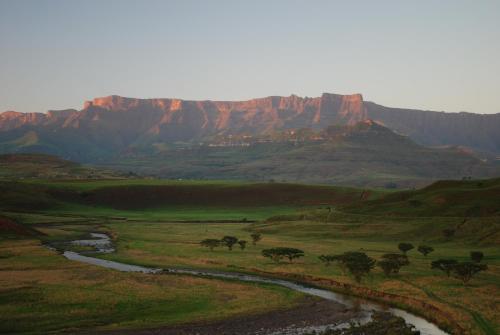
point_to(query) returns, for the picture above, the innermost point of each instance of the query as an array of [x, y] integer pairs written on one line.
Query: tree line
[[358, 263], [229, 242]]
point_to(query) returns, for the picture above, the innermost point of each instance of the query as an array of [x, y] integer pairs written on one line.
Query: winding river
[[102, 244]]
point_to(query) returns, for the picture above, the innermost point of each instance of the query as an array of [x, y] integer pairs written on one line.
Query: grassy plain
[[43, 292]]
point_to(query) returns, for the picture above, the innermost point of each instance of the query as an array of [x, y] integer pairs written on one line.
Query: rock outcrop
[[125, 121]]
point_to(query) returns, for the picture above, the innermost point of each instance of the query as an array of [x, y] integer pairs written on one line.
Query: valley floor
[[42, 292]]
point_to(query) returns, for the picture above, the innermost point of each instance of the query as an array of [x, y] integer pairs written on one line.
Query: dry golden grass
[[41, 291]]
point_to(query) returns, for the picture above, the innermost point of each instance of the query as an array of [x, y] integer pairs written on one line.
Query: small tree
[[401, 259], [476, 256], [466, 270], [273, 254], [389, 266], [405, 247], [445, 265], [327, 259], [358, 263], [242, 244], [276, 254], [292, 253], [210, 243], [425, 249], [392, 263], [229, 241], [256, 237]]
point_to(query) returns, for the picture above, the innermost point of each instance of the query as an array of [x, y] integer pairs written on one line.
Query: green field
[[316, 219], [43, 292]]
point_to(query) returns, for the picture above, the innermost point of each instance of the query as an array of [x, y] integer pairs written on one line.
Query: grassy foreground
[[42, 292]]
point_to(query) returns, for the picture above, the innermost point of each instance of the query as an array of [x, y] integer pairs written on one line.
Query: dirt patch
[[311, 311]]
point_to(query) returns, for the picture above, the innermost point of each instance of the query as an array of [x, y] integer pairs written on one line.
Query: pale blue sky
[[439, 55]]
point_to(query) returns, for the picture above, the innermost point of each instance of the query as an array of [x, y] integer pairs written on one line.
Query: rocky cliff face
[[124, 121]]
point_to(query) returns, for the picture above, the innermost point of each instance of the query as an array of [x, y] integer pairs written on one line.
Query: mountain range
[[119, 132]]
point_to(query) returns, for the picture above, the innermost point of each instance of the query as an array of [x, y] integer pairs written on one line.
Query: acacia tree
[[476, 256], [229, 241], [445, 265], [292, 253], [389, 266], [425, 249], [276, 254], [405, 247], [242, 244], [392, 263], [357, 263], [466, 270], [210, 243], [327, 259], [273, 254], [256, 237]]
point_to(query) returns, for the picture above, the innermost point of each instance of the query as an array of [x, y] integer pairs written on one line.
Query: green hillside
[[16, 166], [467, 198]]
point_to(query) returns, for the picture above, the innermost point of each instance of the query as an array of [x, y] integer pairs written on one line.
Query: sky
[[440, 55]]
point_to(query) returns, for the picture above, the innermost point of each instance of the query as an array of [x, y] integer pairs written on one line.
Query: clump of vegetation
[[466, 270], [211, 243], [382, 323], [445, 265], [327, 259], [460, 270], [425, 249], [357, 263], [256, 237], [276, 254], [476, 256], [229, 241], [392, 263], [405, 247]]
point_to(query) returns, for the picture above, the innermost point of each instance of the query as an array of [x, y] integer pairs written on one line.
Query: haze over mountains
[[116, 131]]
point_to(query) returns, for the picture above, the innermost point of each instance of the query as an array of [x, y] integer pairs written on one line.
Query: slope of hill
[[14, 166], [465, 198], [363, 155]]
